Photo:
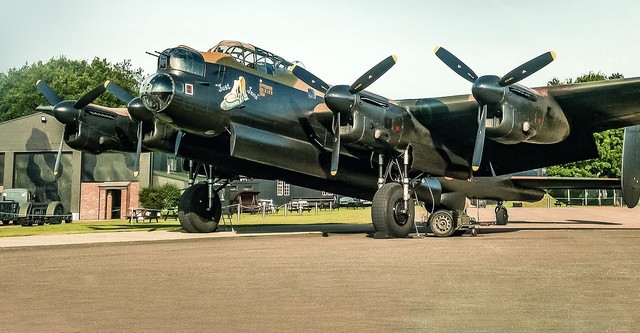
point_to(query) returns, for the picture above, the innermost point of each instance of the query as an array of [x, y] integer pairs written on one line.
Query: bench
[[144, 214], [171, 212], [298, 209], [559, 203]]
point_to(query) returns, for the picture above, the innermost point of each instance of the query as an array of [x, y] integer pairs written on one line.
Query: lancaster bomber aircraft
[[237, 109]]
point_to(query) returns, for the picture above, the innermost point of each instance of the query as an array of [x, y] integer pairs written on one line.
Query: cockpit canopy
[[253, 57]]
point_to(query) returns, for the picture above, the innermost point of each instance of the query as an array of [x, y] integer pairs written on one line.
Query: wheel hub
[[400, 215], [442, 223]]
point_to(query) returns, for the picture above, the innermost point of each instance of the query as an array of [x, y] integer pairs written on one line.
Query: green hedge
[[159, 197]]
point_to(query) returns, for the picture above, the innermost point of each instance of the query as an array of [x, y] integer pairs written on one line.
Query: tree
[[69, 78], [159, 197], [609, 143]]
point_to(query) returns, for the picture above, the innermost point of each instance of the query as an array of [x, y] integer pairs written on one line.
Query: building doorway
[[116, 203]]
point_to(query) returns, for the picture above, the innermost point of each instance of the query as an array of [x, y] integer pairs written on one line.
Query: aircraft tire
[[194, 213], [442, 223], [502, 217], [386, 215]]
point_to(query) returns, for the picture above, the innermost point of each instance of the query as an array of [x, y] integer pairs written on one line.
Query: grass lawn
[[77, 227]]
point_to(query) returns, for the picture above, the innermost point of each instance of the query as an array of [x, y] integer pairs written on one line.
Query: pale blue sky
[[339, 40]]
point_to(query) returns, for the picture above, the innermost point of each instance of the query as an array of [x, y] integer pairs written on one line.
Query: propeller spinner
[[341, 98], [488, 90]]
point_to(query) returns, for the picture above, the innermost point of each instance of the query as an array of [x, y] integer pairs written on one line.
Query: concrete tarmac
[[560, 269]]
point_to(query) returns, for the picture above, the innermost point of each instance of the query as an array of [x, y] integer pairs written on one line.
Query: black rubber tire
[[386, 215], [25, 222], [442, 223], [57, 219], [502, 217], [194, 213]]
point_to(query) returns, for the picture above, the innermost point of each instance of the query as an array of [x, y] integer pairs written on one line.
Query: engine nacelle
[[524, 116], [374, 123], [96, 135], [161, 137]]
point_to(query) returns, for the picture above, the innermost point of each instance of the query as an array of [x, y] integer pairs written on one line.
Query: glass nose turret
[[157, 91]]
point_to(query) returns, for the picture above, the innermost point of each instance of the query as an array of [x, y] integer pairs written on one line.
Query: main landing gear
[[502, 218], [200, 209], [392, 208]]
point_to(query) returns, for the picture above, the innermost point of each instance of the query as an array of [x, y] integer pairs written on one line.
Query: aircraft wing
[[589, 107], [548, 183], [522, 188], [600, 105]]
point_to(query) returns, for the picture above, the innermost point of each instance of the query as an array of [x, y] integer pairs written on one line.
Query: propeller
[[116, 90], [66, 111], [138, 112], [341, 98], [489, 90], [136, 108], [178, 141], [373, 74], [48, 93], [479, 145], [56, 167], [335, 154], [136, 164]]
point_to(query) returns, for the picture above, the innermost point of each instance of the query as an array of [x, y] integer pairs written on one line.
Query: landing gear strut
[[200, 208], [393, 209]]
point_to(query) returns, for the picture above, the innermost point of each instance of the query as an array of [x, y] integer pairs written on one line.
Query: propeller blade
[[178, 140], [136, 164], [335, 154], [528, 68], [308, 78], [59, 156], [90, 97], [116, 90], [479, 145], [373, 74], [455, 64], [48, 93]]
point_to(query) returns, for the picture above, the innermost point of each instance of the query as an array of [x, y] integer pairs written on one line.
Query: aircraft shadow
[[367, 229], [333, 228], [514, 226]]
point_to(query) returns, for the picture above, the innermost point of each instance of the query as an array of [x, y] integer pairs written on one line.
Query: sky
[[339, 40]]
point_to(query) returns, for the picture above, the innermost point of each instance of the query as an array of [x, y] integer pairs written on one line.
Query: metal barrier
[[238, 210]]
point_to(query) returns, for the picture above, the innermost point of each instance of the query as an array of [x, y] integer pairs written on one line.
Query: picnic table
[[142, 214]]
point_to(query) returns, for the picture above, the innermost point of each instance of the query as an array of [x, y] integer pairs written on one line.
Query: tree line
[[69, 78]]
